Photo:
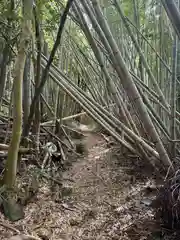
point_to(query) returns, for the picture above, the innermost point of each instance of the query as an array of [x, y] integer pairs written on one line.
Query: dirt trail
[[104, 204]]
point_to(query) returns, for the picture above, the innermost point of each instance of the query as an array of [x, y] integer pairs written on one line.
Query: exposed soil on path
[[104, 202]]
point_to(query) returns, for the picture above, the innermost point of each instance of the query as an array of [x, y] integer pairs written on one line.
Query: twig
[[45, 160], [58, 139], [67, 208], [24, 237], [62, 152], [51, 178], [5, 225], [30, 237], [21, 237]]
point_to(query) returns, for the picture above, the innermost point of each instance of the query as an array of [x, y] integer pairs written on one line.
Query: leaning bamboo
[[130, 87], [107, 116], [138, 48], [173, 100]]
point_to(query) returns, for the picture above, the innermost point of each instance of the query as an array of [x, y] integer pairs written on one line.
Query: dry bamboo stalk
[[64, 119], [130, 87], [5, 147], [54, 75]]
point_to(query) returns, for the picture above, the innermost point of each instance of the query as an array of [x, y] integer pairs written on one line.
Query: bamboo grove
[[118, 61]]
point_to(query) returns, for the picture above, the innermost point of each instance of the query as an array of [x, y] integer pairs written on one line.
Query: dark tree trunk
[[3, 71], [27, 89]]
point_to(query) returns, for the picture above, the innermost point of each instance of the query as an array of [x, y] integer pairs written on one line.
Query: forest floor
[[106, 201]]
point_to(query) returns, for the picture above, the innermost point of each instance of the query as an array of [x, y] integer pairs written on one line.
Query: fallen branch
[[5, 147], [5, 225], [64, 119], [24, 237], [70, 117], [19, 236]]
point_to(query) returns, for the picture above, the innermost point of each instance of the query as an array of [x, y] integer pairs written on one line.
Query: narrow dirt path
[[103, 202]]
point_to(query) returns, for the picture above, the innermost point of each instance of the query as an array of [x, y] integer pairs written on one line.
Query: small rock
[[12, 210], [147, 202]]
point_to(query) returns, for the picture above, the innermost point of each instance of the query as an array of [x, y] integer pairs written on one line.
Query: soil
[[104, 201]]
